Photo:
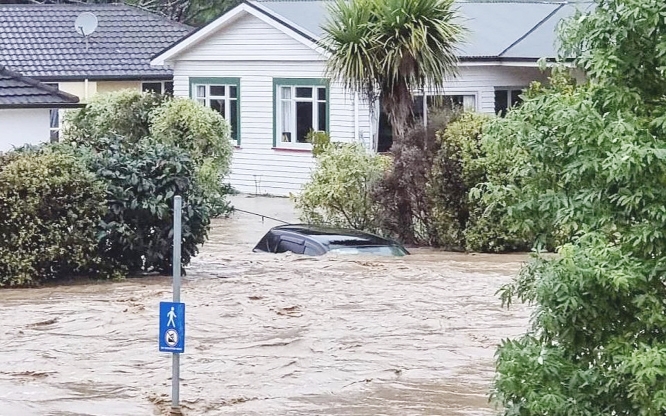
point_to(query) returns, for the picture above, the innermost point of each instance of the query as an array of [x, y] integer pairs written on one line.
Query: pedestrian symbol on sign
[[172, 327], [171, 315]]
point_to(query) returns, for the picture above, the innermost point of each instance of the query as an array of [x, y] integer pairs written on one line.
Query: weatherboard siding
[[251, 39]]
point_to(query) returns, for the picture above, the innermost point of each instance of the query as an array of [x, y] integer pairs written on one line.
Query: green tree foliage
[[135, 116], [141, 181], [206, 136], [388, 48], [50, 206], [123, 113], [594, 167], [462, 221], [339, 192]]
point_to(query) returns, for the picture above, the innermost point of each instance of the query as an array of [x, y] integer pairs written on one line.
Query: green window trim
[[306, 82], [234, 81]]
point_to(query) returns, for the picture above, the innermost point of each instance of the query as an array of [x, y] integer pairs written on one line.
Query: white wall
[[256, 52], [23, 126]]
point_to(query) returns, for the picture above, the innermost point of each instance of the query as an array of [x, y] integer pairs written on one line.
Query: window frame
[[54, 131], [509, 90], [314, 83], [220, 81], [162, 85]]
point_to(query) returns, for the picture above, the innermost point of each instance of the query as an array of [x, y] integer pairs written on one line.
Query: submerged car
[[316, 240]]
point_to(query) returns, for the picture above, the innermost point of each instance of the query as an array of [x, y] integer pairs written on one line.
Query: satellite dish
[[85, 24]]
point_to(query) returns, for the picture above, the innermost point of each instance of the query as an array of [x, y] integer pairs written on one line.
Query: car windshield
[[375, 250]]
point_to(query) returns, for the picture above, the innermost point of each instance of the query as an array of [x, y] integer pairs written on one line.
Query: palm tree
[[386, 49]]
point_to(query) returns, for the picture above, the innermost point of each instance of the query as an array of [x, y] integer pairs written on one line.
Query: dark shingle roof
[[40, 41], [18, 91]]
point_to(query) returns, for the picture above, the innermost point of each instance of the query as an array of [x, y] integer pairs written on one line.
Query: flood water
[[266, 334]]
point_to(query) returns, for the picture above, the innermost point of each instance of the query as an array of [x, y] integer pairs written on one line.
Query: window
[[301, 105], [158, 87], [54, 115], [506, 98], [223, 96], [432, 102]]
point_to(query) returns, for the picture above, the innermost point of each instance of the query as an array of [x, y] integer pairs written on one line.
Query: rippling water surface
[[266, 334]]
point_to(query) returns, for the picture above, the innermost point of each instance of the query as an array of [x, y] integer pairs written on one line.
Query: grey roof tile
[[18, 91], [40, 41]]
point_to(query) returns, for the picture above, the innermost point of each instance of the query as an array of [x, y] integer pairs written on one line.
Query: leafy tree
[[387, 49], [594, 167]]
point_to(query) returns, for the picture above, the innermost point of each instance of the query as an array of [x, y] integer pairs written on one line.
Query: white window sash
[[293, 122]]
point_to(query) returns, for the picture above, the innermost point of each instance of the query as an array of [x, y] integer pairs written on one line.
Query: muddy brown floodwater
[[266, 334]]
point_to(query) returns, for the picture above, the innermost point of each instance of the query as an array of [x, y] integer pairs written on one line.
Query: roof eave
[[41, 105], [97, 78]]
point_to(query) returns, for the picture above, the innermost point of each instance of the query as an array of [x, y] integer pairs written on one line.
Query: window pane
[[321, 94], [155, 87], [218, 90], [168, 88], [287, 121], [303, 120], [321, 117], [218, 105], [515, 97], [286, 93], [55, 118], [501, 101], [201, 91], [233, 91], [233, 118], [303, 92], [55, 136], [469, 102]]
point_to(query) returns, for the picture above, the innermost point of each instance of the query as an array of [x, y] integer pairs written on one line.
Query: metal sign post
[[172, 314]]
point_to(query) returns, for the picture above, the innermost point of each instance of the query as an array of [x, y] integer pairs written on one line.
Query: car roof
[[335, 236]]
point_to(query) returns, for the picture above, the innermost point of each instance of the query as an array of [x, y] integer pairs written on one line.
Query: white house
[[25, 109], [261, 67]]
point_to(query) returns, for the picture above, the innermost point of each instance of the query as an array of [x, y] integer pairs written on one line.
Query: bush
[[464, 221], [206, 136], [339, 192], [135, 116], [141, 181], [50, 207], [405, 208], [123, 113]]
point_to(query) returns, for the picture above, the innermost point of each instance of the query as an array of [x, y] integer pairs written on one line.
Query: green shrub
[[339, 192], [141, 181], [464, 221], [320, 141], [405, 208], [135, 116], [50, 207], [123, 113], [205, 134]]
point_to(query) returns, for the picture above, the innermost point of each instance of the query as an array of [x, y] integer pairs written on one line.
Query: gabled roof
[[18, 91], [498, 30], [40, 41]]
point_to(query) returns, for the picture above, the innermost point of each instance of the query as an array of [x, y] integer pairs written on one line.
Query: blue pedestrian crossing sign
[[172, 327]]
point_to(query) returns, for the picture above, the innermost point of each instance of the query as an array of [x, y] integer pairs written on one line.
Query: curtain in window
[[286, 117]]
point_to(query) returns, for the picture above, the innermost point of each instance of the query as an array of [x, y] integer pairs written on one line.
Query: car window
[[375, 250], [311, 250], [290, 244]]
